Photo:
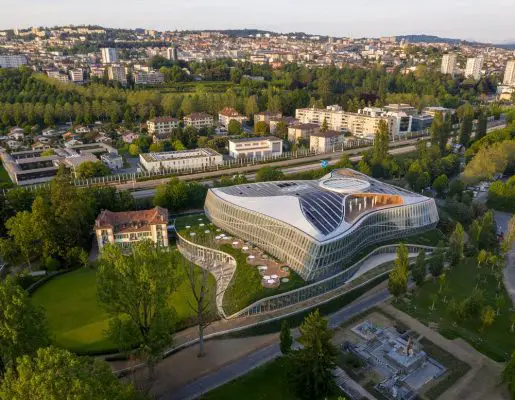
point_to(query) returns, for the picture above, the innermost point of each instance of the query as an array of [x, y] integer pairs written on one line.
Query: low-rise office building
[[112, 160], [228, 114], [323, 142], [126, 228], [179, 160], [199, 120], [256, 147], [30, 167], [162, 125]]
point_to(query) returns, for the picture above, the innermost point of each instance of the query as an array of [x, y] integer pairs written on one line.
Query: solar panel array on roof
[[324, 210]]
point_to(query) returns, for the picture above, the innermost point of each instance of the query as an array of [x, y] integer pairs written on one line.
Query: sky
[[480, 20]]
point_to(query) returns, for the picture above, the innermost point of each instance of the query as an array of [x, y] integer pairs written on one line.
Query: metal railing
[[204, 257], [327, 285]]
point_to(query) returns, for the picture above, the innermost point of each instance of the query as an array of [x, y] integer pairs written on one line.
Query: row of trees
[[29, 99]]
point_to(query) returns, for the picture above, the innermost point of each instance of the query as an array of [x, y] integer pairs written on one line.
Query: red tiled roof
[[131, 220], [158, 120], [230, 112], [197, 116]]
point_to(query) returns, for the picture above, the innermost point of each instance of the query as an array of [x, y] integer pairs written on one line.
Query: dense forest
[[28, 98]]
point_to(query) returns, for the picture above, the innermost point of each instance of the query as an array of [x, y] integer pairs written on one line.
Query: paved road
[[148, 193], [260, 357], [502, 219]]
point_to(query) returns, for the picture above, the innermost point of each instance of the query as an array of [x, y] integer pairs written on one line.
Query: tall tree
[[135, 290], [23, 326], [457, 244], [54, 373], [419, 269], [381, 145], [20, 228], [438, 132], [466, 129], [286, 340], [482, 125], [203, 297], [311, 367]]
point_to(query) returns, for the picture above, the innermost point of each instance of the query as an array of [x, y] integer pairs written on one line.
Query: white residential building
[[117, 73], [109, 55], [323, 142], [256, 147], [474, 67], [509, 74], [12, 61], [171, 53], [178, 160], [162, 125], [153, 78], [448, 64], [112, 160], [228, 114], [77, 75], [199, 120]]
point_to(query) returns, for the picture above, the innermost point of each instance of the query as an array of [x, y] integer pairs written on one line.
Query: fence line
[[227, 165], [194, 252]]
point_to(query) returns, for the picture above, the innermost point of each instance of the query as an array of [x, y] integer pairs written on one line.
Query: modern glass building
[[317, 226]]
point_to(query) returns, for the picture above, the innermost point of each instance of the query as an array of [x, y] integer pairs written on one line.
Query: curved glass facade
[[317, 233]]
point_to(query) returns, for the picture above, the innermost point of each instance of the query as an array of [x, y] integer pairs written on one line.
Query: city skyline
[[468, 20]]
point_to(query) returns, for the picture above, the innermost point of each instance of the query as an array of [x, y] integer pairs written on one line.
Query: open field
[[269, 381], [496, 341], [77, 321]]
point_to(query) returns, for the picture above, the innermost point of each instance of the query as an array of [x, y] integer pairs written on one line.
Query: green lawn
[[496, 341], [77, 321], [269, 381], [5, 181], [245, 287]]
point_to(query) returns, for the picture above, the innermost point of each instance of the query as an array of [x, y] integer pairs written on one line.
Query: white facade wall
[[257, 148], [178, 160]]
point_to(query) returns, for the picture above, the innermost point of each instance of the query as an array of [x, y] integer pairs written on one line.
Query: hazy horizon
[[468, 20]]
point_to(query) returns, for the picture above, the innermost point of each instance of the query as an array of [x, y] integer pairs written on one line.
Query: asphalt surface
[[244, 365], [502, 219]]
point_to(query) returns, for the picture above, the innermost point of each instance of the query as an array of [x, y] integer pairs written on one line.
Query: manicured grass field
[[77, 321], [269, 381], [496, 341]]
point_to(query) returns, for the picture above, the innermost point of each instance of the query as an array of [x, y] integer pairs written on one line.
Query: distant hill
[[437, 39]]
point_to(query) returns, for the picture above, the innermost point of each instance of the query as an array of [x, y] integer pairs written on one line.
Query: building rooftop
[[256, 139], [131, 221], [176, 155], [163, 120], [324, 208], [198, 116], [327, 134], [305, 127]]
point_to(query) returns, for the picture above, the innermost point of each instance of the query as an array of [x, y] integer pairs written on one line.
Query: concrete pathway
[[482, 380], [244, 365]]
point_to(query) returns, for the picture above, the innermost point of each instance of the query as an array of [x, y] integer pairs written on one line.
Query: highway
[[332, 159]]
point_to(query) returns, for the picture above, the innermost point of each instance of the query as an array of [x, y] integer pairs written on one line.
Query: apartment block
[[323, 142], [199, 120], [302, 131], [12, 61], [162, 125], [509, 74], [151, 78], [228, 114], [109, 55], [117, 73], [474, 67], [448, 66]]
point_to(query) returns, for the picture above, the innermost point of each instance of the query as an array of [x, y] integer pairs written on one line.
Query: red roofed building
[[228, 114], [126, 227]]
